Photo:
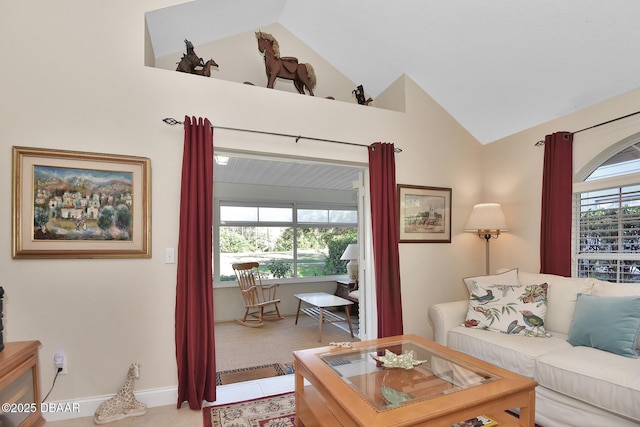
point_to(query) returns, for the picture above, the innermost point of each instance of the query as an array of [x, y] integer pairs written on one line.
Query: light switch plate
[[169, 255]]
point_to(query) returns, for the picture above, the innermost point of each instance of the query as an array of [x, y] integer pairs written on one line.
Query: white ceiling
[[497, 66], [246, 169]]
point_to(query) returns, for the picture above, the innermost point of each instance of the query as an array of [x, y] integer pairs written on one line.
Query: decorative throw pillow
[[507, 277], [608, 289], [507, 308], [562, 297], [607, 323], [476, 286]]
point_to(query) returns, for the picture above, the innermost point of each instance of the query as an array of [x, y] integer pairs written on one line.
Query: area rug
[[253, 373], [272, 411]]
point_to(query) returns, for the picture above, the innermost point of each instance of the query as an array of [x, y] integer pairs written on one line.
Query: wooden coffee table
[[317, 302], [347, 387]]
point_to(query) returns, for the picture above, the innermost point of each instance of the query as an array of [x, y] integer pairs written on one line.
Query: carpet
[[241, 347], [253, 373], [272, 411]]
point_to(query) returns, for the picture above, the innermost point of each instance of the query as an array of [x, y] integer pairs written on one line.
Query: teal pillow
[[606, 323]]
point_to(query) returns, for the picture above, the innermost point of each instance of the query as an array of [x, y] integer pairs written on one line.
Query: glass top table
[[387, 388], [355, 386]]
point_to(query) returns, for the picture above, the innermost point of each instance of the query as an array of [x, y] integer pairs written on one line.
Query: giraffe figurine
[[124, 404]]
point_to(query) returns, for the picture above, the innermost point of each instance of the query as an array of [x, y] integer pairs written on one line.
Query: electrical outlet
[[60, 361]]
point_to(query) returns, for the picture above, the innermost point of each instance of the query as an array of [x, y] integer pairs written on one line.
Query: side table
[[344, 286], [318, 301]]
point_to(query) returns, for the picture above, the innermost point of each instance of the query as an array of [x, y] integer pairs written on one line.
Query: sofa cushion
[[600, 378], [507, 307], [485, 285], [601, 288], [516, 353], [607, 323], [609, 289], [562, 297]]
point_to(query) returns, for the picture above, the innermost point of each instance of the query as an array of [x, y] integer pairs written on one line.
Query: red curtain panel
[[386, 258], [557, 182], [195, 343]]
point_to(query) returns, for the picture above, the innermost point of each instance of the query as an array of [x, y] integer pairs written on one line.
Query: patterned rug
[[272, 411], [253, 373]]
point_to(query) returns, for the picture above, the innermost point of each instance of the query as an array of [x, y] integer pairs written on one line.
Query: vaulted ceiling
[[497, 66]]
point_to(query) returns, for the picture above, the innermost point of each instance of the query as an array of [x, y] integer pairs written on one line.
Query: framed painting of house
[[70, 204], [424, 214]]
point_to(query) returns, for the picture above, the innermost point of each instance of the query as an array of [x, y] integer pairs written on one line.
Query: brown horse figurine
[[288, 68], [190, 61], [206, 70]]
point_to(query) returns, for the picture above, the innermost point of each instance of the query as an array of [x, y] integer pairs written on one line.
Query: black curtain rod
[[171, 121], [539, 143]]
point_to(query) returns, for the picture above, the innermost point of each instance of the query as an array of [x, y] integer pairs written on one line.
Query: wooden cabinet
[[19, 385], [344, 287]]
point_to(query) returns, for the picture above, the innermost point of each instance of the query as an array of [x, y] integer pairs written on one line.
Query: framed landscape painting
[[70, 204], [424, 214]]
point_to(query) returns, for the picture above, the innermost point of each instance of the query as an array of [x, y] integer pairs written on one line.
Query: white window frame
[[294, 205], [594, 185]]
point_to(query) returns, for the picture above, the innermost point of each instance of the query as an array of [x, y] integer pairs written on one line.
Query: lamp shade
[[487, 216], [351, 252]]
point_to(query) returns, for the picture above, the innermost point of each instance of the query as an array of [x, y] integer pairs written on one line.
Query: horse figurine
[[206, 70], [288, 68], [190, 61]]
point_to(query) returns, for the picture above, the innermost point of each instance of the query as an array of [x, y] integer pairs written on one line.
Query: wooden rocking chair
[[256, 296]]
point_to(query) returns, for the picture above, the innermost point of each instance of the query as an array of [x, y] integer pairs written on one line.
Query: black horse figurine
[[288, 68], [190, 61]]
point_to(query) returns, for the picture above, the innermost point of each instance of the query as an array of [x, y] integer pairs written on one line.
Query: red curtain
[[557, 182], [195, 344], [384, 218]]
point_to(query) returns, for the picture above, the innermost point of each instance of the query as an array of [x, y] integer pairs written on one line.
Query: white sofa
[[577, 385]]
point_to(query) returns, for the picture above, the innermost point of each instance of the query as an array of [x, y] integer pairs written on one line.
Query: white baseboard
[[65, 410]]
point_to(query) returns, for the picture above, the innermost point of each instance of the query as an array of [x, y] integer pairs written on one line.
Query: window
[[609, 234], [607, 220], [289, 240]]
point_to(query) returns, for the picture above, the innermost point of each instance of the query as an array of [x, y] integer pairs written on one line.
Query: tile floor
[[169, 416]]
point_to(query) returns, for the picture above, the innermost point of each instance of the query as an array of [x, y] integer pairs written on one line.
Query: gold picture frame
[[71, 204], [424, 214]]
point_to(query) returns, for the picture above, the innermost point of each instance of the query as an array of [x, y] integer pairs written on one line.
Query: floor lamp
[[487, 221]]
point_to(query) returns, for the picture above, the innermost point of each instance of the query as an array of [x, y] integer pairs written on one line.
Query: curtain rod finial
[[171, 121]]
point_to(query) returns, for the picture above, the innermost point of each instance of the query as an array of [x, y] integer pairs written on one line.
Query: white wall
[[513, 172], [73, 78]]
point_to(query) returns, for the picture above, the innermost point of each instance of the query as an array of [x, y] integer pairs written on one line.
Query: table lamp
[[351, 253]]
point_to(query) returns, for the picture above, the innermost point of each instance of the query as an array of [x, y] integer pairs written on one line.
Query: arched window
[[606, 220]]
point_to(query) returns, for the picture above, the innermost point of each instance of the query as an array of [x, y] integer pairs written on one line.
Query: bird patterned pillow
[[510, 309]]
